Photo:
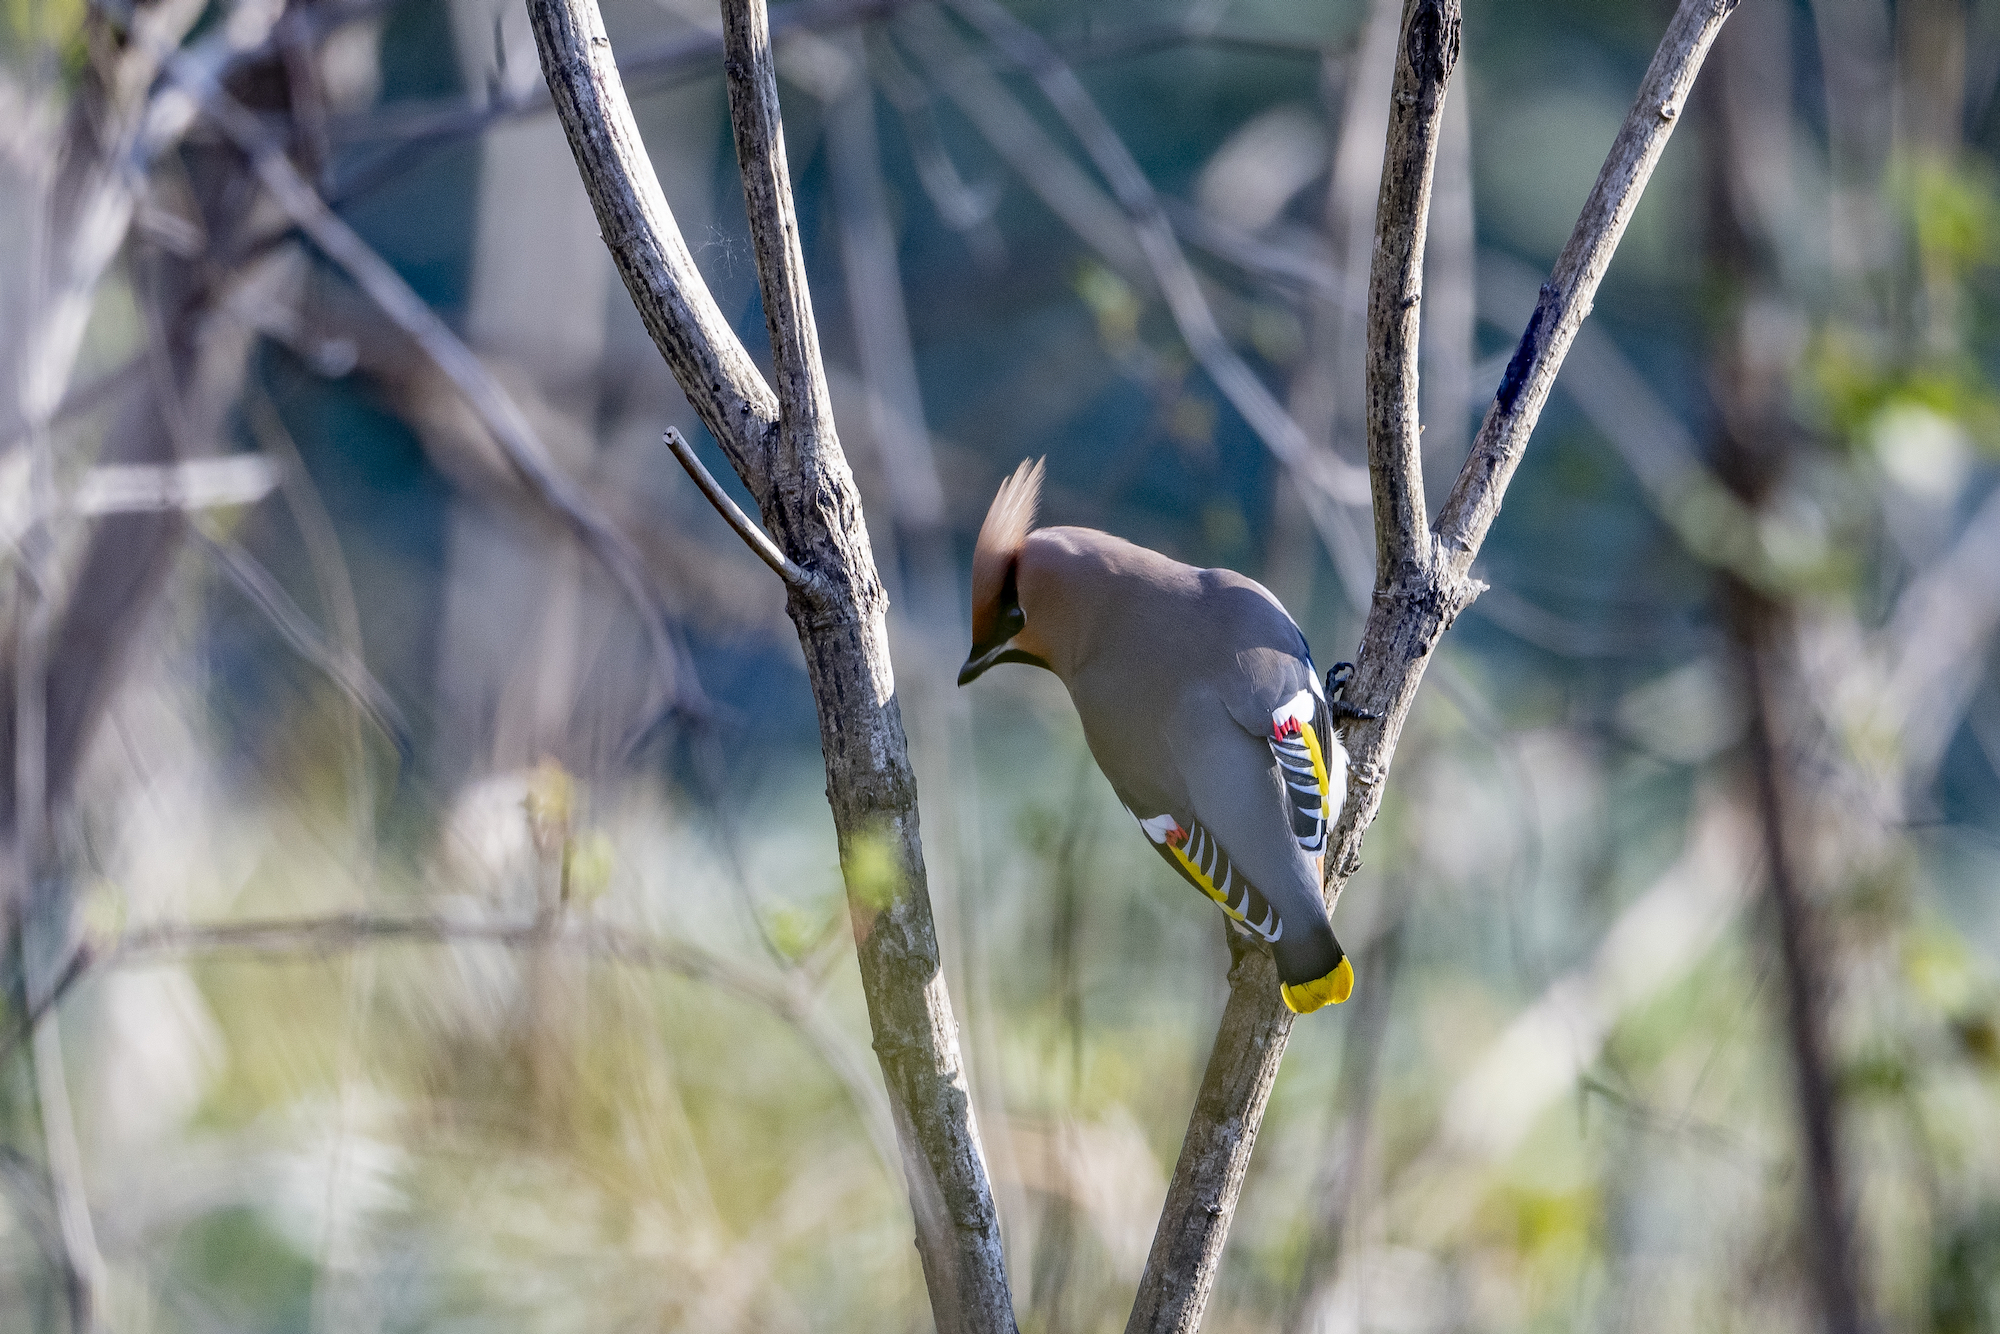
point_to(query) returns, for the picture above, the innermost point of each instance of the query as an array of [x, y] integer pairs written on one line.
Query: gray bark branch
[[1415, 601], [1425, 58], [1567, 296], [732, 514], [785, 447]]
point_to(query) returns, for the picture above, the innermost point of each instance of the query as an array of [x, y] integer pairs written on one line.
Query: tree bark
[[785, 447]]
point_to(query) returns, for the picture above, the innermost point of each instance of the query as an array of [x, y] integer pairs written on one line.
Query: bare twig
[[81, 399], [336, 587], [754, 537], [1752, 447], [348, 673], [1201, 1199], [82, 1259], [698, 51], [923, 575], [1801, 947], [964, 1267], [1328, 392], [1937, 637], [784, 447], [1022, 143], [714, 370]]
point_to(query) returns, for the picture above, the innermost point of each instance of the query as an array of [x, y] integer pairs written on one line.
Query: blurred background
[[418, 853]]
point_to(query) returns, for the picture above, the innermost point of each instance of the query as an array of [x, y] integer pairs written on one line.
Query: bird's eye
[[1011, 622]]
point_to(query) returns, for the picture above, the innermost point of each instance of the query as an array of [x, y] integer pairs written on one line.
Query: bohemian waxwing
[[1199, 702]]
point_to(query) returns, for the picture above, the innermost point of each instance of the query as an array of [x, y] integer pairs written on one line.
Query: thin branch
[[756, 538], [958, 1227], [482, 392], [724, 386], [80, 399], [694, 52], [336, 587], [1802, 948], [932, 608], [805, 409], [1236, 1086], [966, 209], [1937, 637], [82, 1259], [347, 672], [1426, 56], [1567, 296], [1064, 187]]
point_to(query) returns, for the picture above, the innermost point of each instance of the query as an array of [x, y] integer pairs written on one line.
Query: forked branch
[[1420, 587], [784, 446]]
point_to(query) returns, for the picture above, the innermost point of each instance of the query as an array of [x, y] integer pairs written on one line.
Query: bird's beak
[[979, 662]]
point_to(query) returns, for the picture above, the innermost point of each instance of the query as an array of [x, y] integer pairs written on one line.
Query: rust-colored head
[[996, 608]]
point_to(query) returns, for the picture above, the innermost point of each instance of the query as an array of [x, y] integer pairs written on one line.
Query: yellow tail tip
[[1332, 989]]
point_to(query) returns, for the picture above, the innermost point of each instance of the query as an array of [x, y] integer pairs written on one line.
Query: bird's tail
[[1335, 987]]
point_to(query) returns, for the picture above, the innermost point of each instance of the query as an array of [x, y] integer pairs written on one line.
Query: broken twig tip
[[759, 541]]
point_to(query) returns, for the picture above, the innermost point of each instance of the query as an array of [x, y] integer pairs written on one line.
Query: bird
[[1200, 704]]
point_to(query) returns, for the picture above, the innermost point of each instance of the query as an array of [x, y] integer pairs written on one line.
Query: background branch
[[469, 375], [1326, 479]]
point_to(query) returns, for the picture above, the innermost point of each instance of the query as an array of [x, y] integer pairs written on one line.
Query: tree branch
[[756, 538], [706, 357], [1407, 616], [785, 448], [805, 411], [1425, 58], [347, 671], [791, 997], [1567, 296]]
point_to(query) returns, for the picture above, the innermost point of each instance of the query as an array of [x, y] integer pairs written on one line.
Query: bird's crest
[[1008, 520]]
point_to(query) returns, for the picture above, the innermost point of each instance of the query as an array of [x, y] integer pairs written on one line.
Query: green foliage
[[1965, 1280], [237, 1266]]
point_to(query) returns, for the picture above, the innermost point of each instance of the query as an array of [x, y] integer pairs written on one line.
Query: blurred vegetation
[[648, 1103]]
